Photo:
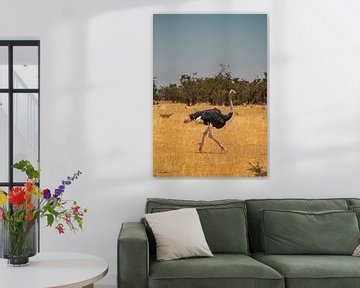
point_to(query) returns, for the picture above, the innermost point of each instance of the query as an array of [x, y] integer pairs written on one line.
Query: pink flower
[[1, 212], [76, 210], [68, 219], [60, 228]]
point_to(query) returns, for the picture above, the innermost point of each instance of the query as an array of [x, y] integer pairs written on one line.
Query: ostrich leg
[[201, 144], [216, 141]]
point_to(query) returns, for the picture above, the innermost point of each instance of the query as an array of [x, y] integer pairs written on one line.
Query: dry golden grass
[[176, 143]]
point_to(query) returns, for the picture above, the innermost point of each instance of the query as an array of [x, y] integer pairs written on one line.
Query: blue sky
[[189, 43]]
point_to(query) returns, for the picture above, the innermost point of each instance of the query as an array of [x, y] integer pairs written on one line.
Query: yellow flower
[[3, 198]]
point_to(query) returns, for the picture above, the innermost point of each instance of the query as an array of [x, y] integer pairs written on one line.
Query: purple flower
[[46, 194], [58, 192], [64, 183]]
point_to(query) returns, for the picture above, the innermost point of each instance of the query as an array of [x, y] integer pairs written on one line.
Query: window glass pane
[[4, 137], [25, 67], [4, 67], [5, 189], [26, 125]]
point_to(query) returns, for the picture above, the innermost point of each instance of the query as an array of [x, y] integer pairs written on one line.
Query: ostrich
[[211, 117]]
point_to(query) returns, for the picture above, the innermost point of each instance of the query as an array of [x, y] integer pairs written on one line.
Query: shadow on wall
[[66, 73]]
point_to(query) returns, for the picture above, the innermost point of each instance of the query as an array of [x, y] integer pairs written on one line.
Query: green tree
[[214, 89]]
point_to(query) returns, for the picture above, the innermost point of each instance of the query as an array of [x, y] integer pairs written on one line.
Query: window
[[19, 108]]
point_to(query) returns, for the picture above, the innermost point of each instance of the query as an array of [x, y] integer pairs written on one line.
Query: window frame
[[10, 91]]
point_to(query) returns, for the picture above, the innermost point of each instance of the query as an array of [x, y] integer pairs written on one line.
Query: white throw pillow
[[357, 251], [178, 234]]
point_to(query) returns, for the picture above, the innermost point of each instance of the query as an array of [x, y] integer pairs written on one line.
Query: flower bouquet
[[21, 208]]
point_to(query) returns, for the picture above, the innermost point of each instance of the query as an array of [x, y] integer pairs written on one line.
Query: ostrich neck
[[231, 105]]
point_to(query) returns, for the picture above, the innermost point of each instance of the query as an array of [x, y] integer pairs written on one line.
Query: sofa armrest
[[133, 256]]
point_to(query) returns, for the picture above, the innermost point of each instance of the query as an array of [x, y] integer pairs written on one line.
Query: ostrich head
[[231, 93]]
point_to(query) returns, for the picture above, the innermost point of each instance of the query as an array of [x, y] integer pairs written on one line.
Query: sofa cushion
[[313, 271], [178, 234], [356, 209], [297, 232], [223, 221], [353, 201], [254, 207], [222, 270], [354, 205]]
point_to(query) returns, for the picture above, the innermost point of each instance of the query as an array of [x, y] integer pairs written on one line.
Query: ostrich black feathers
[[212, 116]]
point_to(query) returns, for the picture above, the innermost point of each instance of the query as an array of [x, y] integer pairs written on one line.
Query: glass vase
[[18, 242]]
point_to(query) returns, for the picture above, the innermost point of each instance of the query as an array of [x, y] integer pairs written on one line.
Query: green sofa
[[234, 230]]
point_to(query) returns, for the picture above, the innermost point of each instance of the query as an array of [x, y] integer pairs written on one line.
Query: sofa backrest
[[223, 221], [256, 205]]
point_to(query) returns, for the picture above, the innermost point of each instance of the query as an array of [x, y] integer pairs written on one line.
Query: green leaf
[[50, 219], [28, 168], [51, 210], [79, 221], [21, 165]]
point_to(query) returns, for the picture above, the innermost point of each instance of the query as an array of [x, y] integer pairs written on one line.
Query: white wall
[[96, 107]]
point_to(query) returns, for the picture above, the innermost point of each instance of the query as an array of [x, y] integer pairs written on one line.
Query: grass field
[[176, 143]]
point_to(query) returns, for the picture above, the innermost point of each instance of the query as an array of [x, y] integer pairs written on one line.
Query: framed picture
[[210, 95]]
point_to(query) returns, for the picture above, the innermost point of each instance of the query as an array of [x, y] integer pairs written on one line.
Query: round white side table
[[50, 270]]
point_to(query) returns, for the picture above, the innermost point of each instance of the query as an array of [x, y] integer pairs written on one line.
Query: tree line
[[214, 90]]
